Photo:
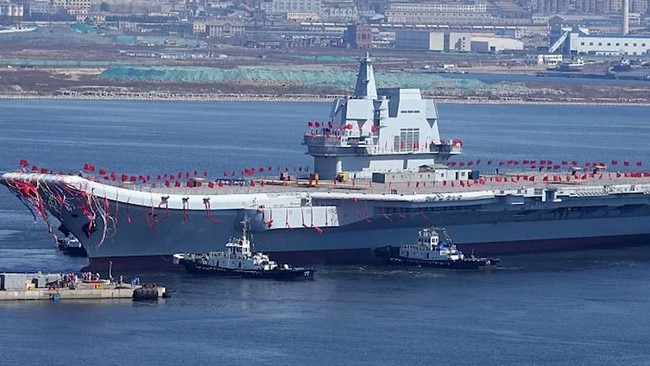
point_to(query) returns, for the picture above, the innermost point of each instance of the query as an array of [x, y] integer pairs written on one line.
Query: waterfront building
[[482, 44], [423, 40], [74, 7], [609, 44], [437, 13], [339, 11], [358, 36], [287, 6], [10, 13]]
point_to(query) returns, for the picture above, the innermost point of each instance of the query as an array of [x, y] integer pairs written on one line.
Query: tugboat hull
[[281, 274], [390, 255]]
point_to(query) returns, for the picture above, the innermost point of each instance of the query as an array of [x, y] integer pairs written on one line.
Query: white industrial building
[[495, 44], [454, 41], [612, 44]]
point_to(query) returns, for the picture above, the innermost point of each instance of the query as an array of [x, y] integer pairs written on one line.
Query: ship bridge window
[[410, 111], [408, 140]]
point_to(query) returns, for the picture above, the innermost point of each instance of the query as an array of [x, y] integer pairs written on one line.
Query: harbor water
[[586, 307]]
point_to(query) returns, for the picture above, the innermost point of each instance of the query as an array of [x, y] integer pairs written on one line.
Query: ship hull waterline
[[366, 256]]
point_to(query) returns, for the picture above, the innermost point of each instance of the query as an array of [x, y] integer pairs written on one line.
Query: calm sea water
[[558, 308]]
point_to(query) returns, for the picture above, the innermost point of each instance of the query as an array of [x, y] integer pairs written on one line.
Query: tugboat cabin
[[429, 247]]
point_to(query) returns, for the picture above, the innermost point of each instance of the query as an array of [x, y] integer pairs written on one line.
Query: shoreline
[[311, 99]]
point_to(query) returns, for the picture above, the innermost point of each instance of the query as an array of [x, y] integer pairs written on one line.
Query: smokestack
[[626, 16]]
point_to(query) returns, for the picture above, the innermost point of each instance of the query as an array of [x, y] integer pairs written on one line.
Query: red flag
[[638, 163], [626, 163], [614, 162]]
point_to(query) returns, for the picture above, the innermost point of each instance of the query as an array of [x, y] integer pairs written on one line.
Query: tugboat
[[575, 64], [238, 260], [431, 252]]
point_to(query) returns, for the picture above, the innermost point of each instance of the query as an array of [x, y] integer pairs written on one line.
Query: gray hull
[[485, 226], [124, 225]]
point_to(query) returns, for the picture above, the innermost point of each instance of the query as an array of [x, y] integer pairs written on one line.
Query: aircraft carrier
[[380, 174]]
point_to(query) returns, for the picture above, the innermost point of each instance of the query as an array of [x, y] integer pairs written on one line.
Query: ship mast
[[366, 87], [245, 243]]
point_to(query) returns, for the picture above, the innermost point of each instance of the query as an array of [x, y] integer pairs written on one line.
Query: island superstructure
[[378, 130], [379, 177]]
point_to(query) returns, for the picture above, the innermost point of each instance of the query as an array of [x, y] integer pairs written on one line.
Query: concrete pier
[[109, 292], [17, 286]]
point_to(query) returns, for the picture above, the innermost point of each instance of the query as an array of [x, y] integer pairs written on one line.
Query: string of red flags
[[546, 164]]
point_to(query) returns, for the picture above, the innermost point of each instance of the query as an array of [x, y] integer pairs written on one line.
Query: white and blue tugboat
[[238, 260], [429, 251]]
